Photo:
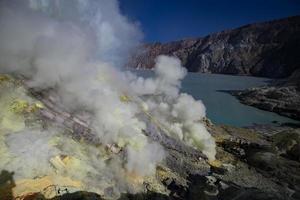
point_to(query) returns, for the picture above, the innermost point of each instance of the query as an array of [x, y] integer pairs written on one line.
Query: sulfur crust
[[14, 104], [47, 185]]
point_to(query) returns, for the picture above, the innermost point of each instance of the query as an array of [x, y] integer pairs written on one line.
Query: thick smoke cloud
[[179, 113], [114, 35], [77, 48], [169, 74]]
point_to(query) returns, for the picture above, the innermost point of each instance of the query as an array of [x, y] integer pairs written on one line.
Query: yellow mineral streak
[[134, 178], [14, 104], [9, 120], [12, 122], [137, 142], [4, 78], [124, 98], [215, 163], [162, 173], [64, 162], [39, 105], [11, 114], [47, 185], [19, 106], [58, 163], [154, 184]]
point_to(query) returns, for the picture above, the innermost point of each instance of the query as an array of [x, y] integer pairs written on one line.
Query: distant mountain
[[269, 49]]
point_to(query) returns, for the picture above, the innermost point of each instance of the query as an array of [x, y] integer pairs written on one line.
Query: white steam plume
[[180, 114], [77, 48]]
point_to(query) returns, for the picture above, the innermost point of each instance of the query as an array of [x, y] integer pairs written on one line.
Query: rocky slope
[[267, 49], [282, 98], [250, 165], [260, 164]]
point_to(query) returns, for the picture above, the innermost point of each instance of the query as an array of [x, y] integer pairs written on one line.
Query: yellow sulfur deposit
[[19, 106], [58, 162], [136, 142], [64, 162], [11, 117], [15, 105], [215, 163], [38, 105], [153, 184], [134, 178], [22, 106], [47, 186], [12, 122], [124, 98], [4, 78]]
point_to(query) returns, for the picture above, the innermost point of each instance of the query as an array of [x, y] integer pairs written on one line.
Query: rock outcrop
[[267, 49], [282, 98]]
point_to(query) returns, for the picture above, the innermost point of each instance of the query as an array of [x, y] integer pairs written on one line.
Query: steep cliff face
[[269, 49]]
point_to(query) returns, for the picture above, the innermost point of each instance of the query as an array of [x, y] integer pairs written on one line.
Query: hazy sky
[[167, 20]]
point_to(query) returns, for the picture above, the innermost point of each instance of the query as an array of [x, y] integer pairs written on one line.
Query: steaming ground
[[79, 58]]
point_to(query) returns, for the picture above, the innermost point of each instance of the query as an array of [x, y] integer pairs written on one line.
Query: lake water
[[221, 107]]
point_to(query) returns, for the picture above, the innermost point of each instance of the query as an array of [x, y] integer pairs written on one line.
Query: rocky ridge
[[268, 49]]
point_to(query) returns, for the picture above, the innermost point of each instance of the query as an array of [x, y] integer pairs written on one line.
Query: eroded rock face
[[267, 49]]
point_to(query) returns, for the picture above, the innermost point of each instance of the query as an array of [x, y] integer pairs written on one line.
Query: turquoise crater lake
[[221, 107]]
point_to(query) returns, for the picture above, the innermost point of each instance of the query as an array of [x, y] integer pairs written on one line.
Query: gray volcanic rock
[[282, 98], [261, 172], [288, 143], [267, 49]]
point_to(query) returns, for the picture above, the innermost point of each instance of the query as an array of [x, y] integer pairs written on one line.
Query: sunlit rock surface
[[268, 49], [249, 164]]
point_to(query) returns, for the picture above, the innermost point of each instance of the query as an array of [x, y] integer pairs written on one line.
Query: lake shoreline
[[223, 108], [242, 96], [282, 98], [258, 97]]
